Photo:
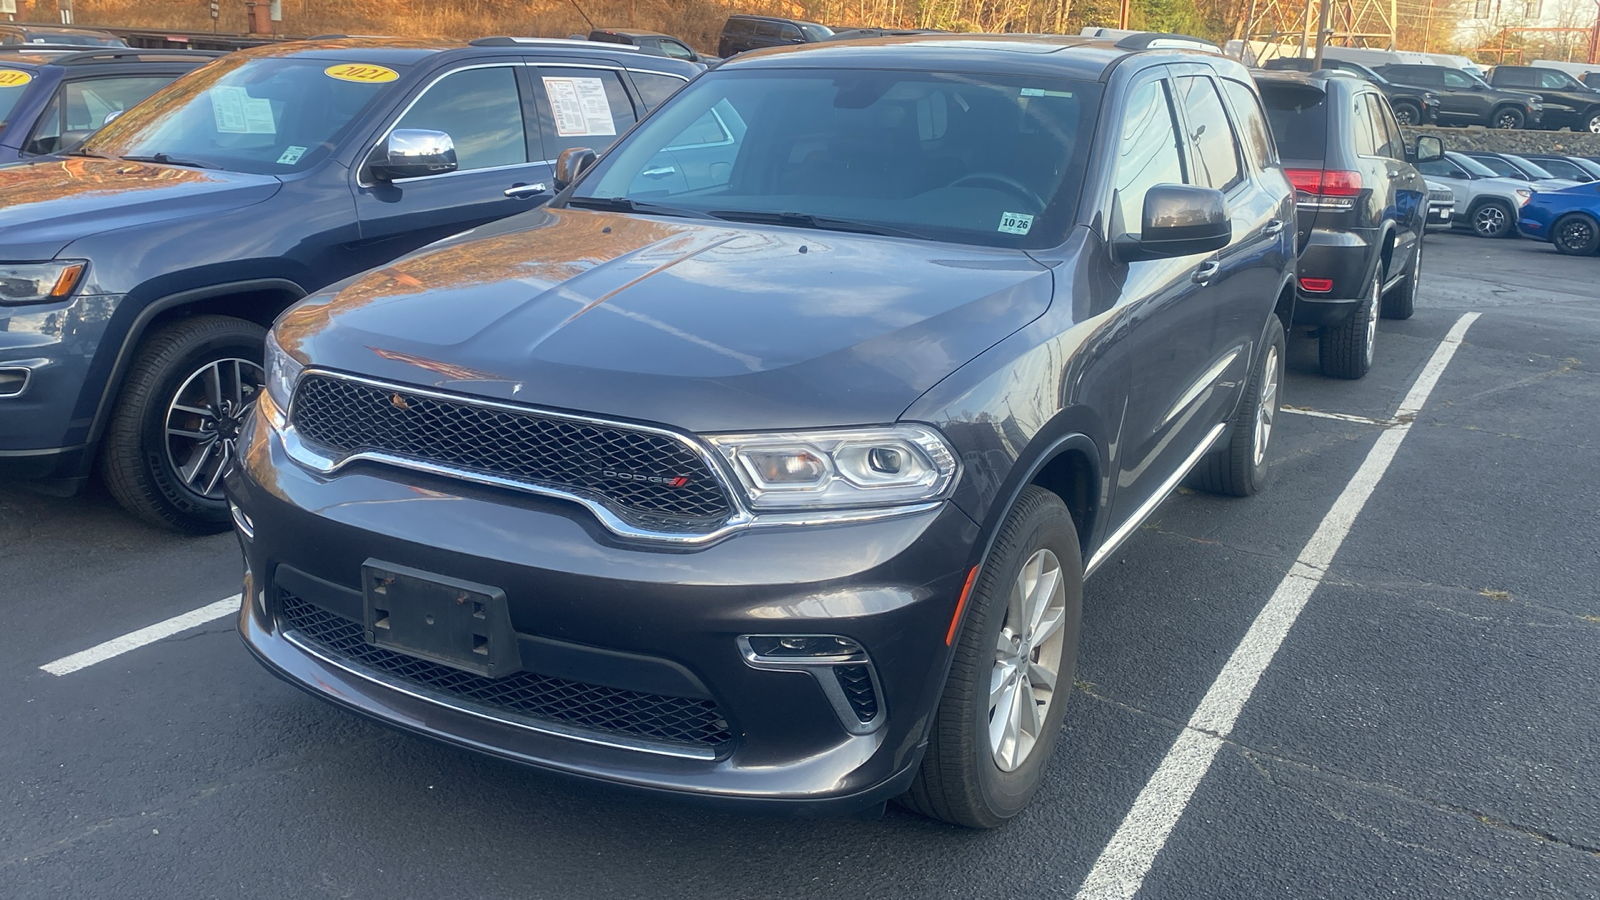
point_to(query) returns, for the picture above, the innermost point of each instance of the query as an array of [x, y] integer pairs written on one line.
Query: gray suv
[[765, 465]]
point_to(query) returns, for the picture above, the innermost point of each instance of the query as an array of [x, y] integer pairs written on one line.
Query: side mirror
[[1178, 220], [1429, 148], [571, 165], [413, 153], [111, 117]]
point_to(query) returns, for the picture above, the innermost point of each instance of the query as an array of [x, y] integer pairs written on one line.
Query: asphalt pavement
[[1428, 727]]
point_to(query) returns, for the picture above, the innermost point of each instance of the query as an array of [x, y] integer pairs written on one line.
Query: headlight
[[856, 467], [283, 371], [44, 282]]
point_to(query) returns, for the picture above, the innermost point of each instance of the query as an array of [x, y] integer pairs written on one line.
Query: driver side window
[[481, 111], [1147, 155], [1456, 81]]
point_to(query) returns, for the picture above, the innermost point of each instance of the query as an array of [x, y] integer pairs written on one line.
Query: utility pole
[[1122, 15], [1322, 32], [1427, 26]]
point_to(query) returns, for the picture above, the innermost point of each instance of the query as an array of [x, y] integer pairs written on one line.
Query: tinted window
[[1441, 167], [1299, 119], [79, 108], [985, 159], [1456, 81], [481, 111], [1560, 168], [767, 29], [1397, 138], [1252, 123], [1416, 74], [581, 108], [1147, 155], [1556, 81], [1516, 78], [676, 50], [1363, 135], [1530, 168], [250, 114], [1497, 166], [789, 32], [1216, 160], [1389, 142], [654, 88], [1471, 165]]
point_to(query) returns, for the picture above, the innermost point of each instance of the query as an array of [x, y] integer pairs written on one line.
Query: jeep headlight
[[857, 467], [283, 371], [41, 282]]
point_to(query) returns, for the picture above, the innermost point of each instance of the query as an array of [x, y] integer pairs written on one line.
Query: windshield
[[1472, 165], [816, 32], [13, 84], [245, 114], [984, 159], [1529, 167]]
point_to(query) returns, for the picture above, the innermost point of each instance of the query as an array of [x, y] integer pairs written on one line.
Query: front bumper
[[1440, 215], [1345, 257], [662, 625], [48, 353]]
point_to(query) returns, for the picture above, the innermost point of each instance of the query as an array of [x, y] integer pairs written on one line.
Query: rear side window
[[1147, 155], [1252, 123], [654, 89], [581, 108], [1216, 150], [1515, 78], [1556, 81], [767, 29], [1299, 118]]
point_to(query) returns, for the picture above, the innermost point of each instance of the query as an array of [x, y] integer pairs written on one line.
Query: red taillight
[[1325, 182], [1317, 285]]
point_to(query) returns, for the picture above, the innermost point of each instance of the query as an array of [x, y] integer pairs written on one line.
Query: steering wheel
[[1016, 187]]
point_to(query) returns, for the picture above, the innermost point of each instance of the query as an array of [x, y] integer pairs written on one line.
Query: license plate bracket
[[444, 620]]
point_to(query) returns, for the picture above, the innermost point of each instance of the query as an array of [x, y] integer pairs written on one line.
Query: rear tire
[[1509, 117], [1408, 113], [1346, 350], [142, 461], [1401, 301], [1575, 234], [1493, 219], [968, 777], [1239, 468], [1592, 123]]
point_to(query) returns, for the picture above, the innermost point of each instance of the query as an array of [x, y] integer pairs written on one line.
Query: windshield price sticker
[[580, 106], [361, 73], [237, 112], [14, 78], [1015, 223]]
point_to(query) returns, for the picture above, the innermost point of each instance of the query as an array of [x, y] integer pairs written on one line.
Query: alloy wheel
[[1267, 407], [1506, 120], [203, 422], [1490, 221], [1403, 115], [1027, 660], [1594, 124], [1575, 234]]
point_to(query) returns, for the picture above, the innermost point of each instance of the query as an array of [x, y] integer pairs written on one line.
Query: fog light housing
[[803, 646], [840, 666]]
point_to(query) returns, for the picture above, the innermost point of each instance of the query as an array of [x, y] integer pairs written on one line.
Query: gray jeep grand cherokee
[[767, 463]]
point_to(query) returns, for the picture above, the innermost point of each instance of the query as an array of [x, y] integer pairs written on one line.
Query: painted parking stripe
[[133, 640], [1338, 417], [1122, 865]]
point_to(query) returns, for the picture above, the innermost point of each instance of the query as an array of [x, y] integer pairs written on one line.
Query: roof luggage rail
[[88, 57]]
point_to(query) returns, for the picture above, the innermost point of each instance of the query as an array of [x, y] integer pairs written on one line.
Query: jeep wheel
[[1015, 661], [1509, 117], [1401, 301], [1592, 124], [1575, 235], [1239, 468], [1492, 219], [1346, 350], [1407, 113], [171, 437]]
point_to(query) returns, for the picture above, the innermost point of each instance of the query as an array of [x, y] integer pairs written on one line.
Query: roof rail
[[89, 57], [1155, 40], [336, 37], [548, 42]]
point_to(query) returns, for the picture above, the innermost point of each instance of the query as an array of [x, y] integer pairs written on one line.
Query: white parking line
[[1122, 865], [1339, 417], [133, 640]]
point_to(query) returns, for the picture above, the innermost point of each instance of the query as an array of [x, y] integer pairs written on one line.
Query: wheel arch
[[257, 300], [1069, 466]]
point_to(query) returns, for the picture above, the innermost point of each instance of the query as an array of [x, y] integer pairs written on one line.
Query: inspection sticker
[[291, 155], [14, 78], [361, 73], [580, 106], [1015, 223]]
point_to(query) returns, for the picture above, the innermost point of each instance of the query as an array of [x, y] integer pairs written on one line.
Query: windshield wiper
[[807, 220], [623, 204], [165, 160]]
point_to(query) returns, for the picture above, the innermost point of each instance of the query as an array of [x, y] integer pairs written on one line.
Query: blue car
[[1568, 218]]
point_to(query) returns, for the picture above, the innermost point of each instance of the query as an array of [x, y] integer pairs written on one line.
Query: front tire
[[1493, 219], [1509, 117], [1346, 350], [1592, 123], [1408, 113], [1015, 661], [1401, 301], [1239, 468], [1575, 235], [172, 435]]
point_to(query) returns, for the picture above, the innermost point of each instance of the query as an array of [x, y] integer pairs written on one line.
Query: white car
[[1441, 206], [1484, 201]]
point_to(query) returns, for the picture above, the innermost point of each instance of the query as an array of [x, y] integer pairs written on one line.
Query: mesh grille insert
[[650, 479], [678, 720]]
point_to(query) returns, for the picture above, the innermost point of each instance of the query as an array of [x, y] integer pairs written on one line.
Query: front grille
[[857, 684], [677, 720], [650, 479], [1441, 196]]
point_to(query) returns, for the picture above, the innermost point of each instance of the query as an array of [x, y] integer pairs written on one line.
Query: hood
[[700, 325], [48, 204], [1554, 184]]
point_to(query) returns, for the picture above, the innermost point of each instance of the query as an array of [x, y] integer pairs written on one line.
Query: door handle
[[1273, 227], [659, 171], [526, 191], [1206, 271]]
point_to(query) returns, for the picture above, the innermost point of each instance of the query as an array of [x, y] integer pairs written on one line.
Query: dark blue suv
[[139, 272]]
